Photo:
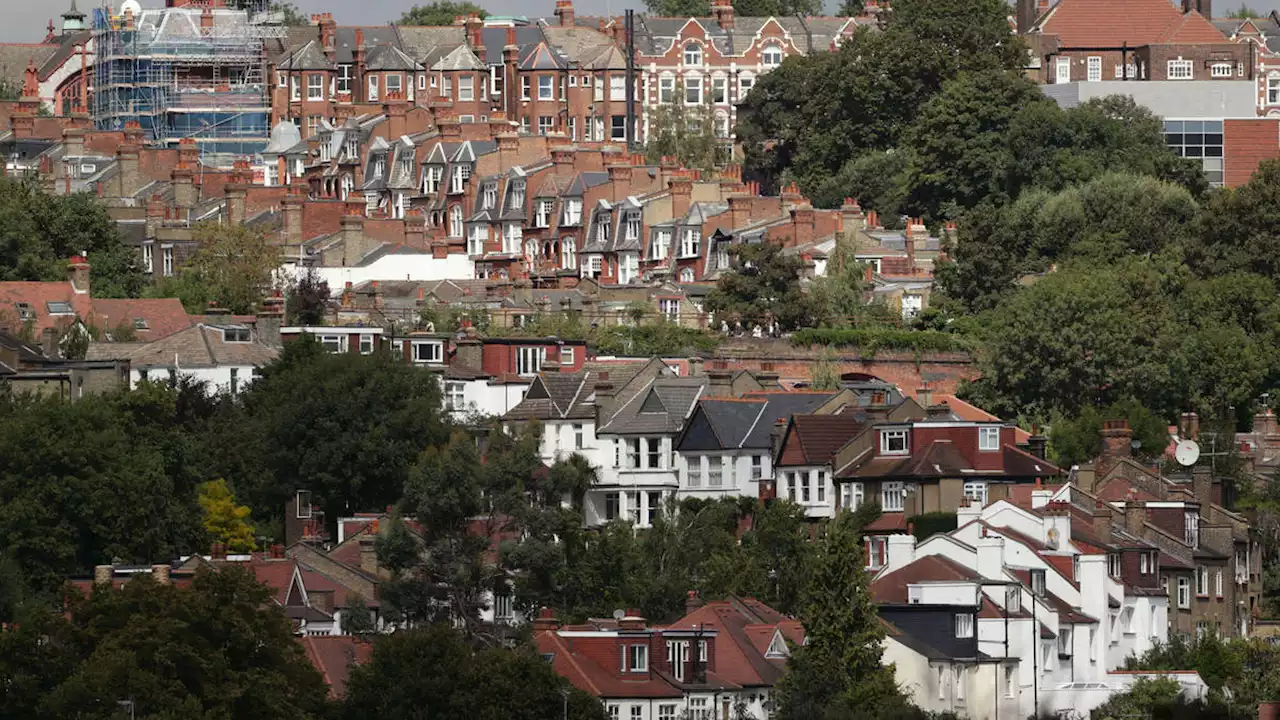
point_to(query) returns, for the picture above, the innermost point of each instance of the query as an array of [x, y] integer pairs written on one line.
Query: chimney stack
[[1102, 522], [546, 621], [1189, 426], [692, 602], [1116, 444], [722, 12], [78, 273], [564, 11], [102, 574], [1026, 15], [160, 573], [368, 555]]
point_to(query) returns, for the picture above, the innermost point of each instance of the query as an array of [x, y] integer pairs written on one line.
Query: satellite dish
[[619, 614], [131, 7], [1187, 453]]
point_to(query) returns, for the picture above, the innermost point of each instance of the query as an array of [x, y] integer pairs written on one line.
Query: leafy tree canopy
[[440, 12], [226, 522], [762, 289], [234, 268], [1079, 439]]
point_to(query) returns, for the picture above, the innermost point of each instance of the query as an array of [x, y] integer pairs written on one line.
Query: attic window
[[1037, 583], [25, 312], [58, 307], [140, 324], [777, 648], [235, 334]]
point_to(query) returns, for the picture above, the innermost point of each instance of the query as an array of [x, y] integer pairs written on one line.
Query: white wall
[[736, 479], [816, 506], [219, 378], [393, 267], [484, 397]]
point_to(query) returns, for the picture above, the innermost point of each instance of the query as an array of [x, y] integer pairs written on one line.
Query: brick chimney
[[206, 21], [1102, 522], [160, 573], [546, 621], [802, 219], [1204, 7], [475, 33], [852, 221], [78, 274], [563, 159], [620, 181], [354, 242], [128, 181], [508, 149], [1189, 426], [270, 319], [73, 142], [103, 574], [291, 209], [1116, 439], [357, 56], [632, 620], [564, 11], [681, 196], [470, 351], [722, 12], [1135, 514], [415, 229], [510, 83], [739, 211], [396, 107], [328, 34]]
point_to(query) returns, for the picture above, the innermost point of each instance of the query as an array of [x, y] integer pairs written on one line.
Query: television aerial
[[1187, 453]]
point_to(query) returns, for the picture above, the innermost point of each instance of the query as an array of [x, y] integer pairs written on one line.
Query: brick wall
[[1247, 143]]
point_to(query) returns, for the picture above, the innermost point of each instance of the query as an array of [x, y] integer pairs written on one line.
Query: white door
[[1064, 70]]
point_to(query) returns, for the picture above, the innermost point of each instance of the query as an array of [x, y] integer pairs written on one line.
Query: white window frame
[[1062, 70], [1180, 69], [1115, 565], [1093, 68], [345, 74], [568, 253], [964, 625], [889, 441], [1217, 582], [166, 258], [691, 243], [989, 438], [893, 496], [1192, 536], [666, 90], [455, 395], [771, 56], [373, 88], [315, 86], [546, 87], [976, 491], [427, 352], [1221, 70], [693, 90], [692, 54], [529, 360], [639, 657], [466, 88], [1273, 90], [1184, 593], [477, 235]]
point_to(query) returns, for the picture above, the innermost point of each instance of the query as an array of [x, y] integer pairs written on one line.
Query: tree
[[234, 268], [1240, 228], [838, 673], [762, 289], [1146, 696], [440, 12], [679, 8], [838, 295], [40, 232], [776, 8], [214, 649], [688, 133], [345, 426], [1244, 12], [852, 8], [433, 672], [226, 522], [1079, 439], [307, 301], [959, 152], [109, 477]]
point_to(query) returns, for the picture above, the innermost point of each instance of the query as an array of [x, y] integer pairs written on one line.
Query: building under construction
[[184, 72]]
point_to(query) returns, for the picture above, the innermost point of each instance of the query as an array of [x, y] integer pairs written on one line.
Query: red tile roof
[[746, 628], [818, 437], [1112, 23], [163, 316], [333, 656], [888, 522], [587, 675], [891, 589]]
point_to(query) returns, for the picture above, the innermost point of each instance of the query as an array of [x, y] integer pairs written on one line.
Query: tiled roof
[[198, 346], [891, 589], [888, 522], [163, 316], [746, 628], [659, 408], [820, 436], [333, 656], [1112, 23], [587, 675]]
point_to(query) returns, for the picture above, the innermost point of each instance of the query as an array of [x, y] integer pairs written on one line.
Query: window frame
[[893, 490], [887, 438], [986, 435], [964, 626], [691, 54], [1175, 69]]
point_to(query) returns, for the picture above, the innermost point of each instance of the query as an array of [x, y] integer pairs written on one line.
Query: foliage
[[440, 12], [345, 426], [930, 524], [811, 116], [1145, 697], [1079, 439], [1239, 228], [824, 374], [838, 673], [432, 672], [1238, 671], [654, 339], [761, 289], [234, 268], [307, 301], [838, 296], [107, 477], [870, 340], [852, 8], [39, 232], [226, 522], [9, 90], [877, 178], [215, 649], [686, 132], [1244, 12]]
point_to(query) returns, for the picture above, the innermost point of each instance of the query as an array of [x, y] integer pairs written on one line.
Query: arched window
[[347, 185], [455, 221], [692, 54], [771, 57], [568, 254], [686, 275]]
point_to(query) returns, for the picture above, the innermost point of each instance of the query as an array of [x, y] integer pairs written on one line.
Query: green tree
[[762, 289], [345, 426], [1240, 228], [40, 232], [776, 8], [687, 133], [307, 301], [877, 178], [1079, 439], [440, 12], [1244, 12], [433, 671], [852, 8], [226, 522], [1145, 697], [838, 673], [679, 8], [960, 154], [234, 268], [107, 477], [838, 295], [214, 649]]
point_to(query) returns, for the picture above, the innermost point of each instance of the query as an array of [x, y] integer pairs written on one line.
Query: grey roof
[[587, 180], [308, 57], [659, 408], [655, 35], [459, 58], [285, 136], [495, 39], [389, 57], [419, 42]]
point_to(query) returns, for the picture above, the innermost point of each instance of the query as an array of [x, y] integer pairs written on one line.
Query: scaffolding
[[189, 72]]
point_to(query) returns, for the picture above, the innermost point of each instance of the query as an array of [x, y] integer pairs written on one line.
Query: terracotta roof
[[746, 627], [1118, 489], [275, 574], [162, 316], [891, 589], [972, 413], [888, 522], [1111, 23], [589, 676], [333, 656]]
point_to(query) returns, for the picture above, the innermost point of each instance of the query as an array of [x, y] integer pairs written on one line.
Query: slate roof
[[201, 345], [308, 57], [389, 57], [569, 396], [659, 408], [746, 422], [14, 58]]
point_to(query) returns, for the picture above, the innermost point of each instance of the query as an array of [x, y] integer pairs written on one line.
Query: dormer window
[[894, 442], [431, 180], [988, 438], [353, 148], [964, 625], [235, 334], [379, 166], [602, 227], [490, 198], [461, 173], [1114, 567], [633, 226], [542, 217], [517, 195], [572, 211], [1037, 583]]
